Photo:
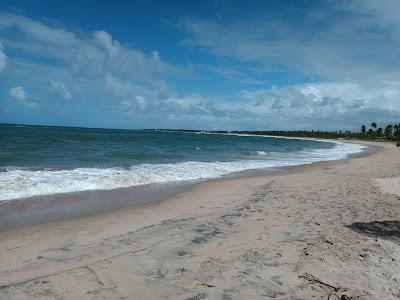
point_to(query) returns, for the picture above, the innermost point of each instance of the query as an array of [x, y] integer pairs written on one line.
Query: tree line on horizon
[[373, 132], [389, 133]]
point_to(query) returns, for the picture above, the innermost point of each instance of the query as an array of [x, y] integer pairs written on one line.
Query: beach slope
[[330, 230]]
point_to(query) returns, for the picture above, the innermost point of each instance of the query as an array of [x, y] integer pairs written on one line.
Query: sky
[[251, 65]]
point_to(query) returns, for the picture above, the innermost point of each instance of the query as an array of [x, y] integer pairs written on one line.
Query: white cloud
[[353, 40], [37, 31], [60, 89], [330, 105], [85, 62], [360, 85], [19, 94], [351, 47], [91, 56], [159, 102], [3, 58], [324, 105], [126, 62]]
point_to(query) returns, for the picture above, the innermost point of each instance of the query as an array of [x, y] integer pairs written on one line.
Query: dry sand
[[329, 230]]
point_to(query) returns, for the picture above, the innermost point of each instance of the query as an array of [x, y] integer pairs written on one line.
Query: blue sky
[[200, 64]]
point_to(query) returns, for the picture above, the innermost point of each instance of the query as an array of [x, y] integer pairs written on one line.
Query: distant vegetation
[[371, 132]]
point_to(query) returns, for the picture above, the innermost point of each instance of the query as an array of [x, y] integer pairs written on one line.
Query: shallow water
[[40, 160]]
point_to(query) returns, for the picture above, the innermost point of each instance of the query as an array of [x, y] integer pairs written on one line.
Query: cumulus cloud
[[159, 102], [355, 70], [127, 62], [330, 105], [324, 105], [19, 94], [3, 58], [314, 100], [346, 50], [85, 61], [91, 56], [60, 89]]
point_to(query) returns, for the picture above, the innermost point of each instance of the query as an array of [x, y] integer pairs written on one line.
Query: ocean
[[44, 160]]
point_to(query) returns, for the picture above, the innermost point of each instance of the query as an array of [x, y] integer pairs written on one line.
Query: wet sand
[[41, 209], [326, 230]]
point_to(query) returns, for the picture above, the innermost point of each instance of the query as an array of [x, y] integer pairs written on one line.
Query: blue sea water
[[41, 160]]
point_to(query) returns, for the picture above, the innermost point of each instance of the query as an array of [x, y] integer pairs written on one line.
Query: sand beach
[[327, 230]]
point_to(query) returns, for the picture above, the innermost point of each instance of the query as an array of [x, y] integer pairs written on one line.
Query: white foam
[[261, 153], [21, 183]]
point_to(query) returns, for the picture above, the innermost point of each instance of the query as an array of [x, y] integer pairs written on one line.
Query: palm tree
[[389, 131], [397, 131], [379, 132], [374, 125], [363, 129]]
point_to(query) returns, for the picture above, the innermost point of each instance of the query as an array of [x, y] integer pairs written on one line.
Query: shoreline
[[176, 194], [36, 189], [313, 231], [21, 212]]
